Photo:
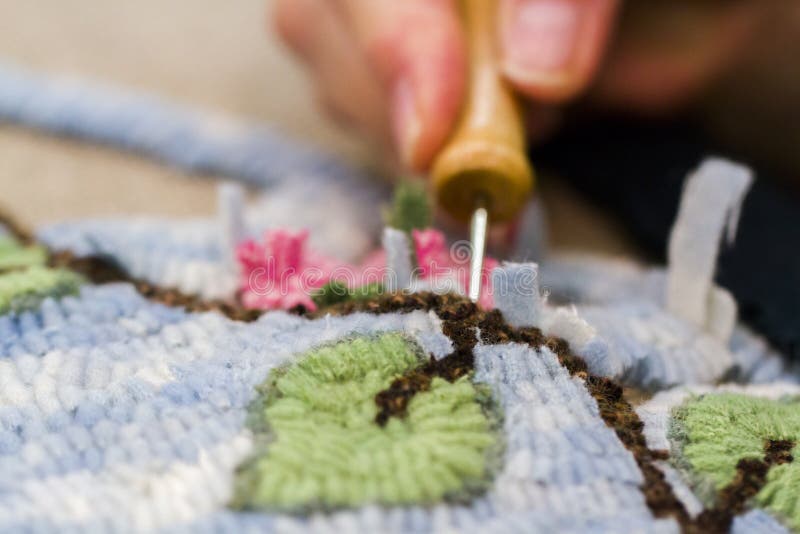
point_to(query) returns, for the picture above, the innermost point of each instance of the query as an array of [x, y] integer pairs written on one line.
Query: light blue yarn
[[515, 289], [148, 390], [256, 154], [94, 317], [577, 474], [757, 521]]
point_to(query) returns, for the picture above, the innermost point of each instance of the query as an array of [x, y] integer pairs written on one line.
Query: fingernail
[[405, 121], [539, 38]]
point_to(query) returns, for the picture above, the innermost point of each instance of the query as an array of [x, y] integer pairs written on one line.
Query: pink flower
[[440, 265], [279, 273]]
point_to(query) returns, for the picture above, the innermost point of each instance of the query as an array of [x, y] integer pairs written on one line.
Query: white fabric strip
[[711, 202], [515, 288], [230, 216], [398, 259]]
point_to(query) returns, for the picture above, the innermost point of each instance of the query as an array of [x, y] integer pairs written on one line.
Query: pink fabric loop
[[279, 272]]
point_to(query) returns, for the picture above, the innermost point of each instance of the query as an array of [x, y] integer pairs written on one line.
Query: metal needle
[[477, 238], [485, 155]]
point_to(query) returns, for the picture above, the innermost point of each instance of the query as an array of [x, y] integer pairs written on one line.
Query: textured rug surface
[[145, 384]]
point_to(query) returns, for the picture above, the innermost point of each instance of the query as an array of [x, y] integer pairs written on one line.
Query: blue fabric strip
[[180, 136]]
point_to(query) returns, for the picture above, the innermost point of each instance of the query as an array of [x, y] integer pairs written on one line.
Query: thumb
[[417, 51], [551, 48]]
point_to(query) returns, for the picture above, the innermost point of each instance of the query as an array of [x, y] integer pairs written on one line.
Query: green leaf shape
[[15, 256], [318, 445], [25, 289], [713, 432], [411, 207]]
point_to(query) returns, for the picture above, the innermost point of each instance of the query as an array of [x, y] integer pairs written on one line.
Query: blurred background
[[221, 56], [205, 53], [212, 54]]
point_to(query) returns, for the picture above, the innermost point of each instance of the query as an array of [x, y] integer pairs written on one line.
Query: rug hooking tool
[[482, 173]]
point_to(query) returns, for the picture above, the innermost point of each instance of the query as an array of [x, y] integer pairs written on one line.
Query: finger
[[550, 49], [416, 49], [346, 85]]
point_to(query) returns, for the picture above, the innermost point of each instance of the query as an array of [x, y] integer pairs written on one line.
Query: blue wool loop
[[515, 289], [175, 134]]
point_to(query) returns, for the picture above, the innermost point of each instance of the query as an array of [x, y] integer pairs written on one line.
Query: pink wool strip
[[279, 272], [440, 265]]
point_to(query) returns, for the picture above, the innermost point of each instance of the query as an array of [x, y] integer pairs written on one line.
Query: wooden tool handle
[[485, 156]]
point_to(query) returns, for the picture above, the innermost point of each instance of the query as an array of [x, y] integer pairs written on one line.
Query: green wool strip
[[411, 207], [714, 432], [22, 290], [318, 445], [15, 256], [335, 292]]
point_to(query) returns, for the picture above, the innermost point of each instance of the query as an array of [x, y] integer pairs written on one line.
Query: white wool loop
[[399, 268], [230, 217], [515, 289], [709, 208]]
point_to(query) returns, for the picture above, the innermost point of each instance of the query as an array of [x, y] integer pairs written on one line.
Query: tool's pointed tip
[[477, 237]]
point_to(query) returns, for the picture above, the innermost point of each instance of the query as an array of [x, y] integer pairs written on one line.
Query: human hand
[[395, 69]]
